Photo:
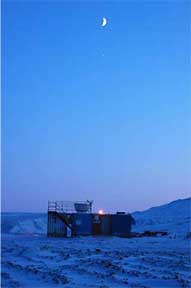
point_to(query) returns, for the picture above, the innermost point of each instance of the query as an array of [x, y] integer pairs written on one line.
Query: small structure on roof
[[68, 219]]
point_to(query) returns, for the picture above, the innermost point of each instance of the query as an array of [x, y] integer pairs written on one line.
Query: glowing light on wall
[[100, 212]]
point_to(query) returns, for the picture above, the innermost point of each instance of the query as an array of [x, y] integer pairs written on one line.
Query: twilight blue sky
[[91, 112]]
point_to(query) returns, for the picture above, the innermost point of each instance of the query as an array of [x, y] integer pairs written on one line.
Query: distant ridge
[[173, 217], [165, 204]]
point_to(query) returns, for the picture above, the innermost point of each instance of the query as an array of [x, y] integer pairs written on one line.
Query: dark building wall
[[90, 224], [106, 224], [82, 223], [101, 224], [56, 226], [96, 224], [121, 224]]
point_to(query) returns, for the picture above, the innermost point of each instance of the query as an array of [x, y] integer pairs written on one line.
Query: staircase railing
[[59, 210]]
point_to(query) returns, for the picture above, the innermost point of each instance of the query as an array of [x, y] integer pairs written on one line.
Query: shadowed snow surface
[[29, 261]]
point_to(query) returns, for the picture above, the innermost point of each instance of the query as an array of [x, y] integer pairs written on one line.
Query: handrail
[[67, 206]]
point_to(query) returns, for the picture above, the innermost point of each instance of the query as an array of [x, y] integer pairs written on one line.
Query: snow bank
[[24, 223], [173, 217]]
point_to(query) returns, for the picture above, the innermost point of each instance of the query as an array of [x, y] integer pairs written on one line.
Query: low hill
[[173, 217]]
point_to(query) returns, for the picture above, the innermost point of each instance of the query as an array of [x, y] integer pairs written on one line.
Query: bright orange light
[[100, 212]]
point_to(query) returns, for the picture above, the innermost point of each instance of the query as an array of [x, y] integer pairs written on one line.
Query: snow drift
[[23, 223], [173, 217]]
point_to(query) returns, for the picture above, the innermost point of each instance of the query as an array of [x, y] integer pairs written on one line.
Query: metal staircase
[[61, 213]]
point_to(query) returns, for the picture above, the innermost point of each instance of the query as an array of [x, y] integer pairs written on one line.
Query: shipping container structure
[[69, 219]]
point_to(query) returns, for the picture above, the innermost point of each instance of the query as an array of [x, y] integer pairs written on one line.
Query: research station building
[[70, 219]]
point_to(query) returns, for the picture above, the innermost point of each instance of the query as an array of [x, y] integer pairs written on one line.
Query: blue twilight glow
[[92, 112]]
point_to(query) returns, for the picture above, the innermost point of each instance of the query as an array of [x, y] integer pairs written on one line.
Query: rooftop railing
[[70, 206]]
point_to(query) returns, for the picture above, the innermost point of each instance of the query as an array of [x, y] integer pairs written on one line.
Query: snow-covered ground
[[94, 262], [30, 259]]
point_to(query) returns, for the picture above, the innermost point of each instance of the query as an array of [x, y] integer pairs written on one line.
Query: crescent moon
[[104, 22]]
